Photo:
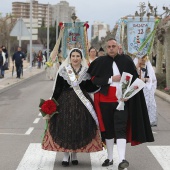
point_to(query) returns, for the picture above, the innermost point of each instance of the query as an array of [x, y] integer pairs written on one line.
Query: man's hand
[[116, 78], [123, 100]]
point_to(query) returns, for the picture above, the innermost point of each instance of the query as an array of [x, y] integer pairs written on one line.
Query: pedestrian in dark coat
[[18, 57]]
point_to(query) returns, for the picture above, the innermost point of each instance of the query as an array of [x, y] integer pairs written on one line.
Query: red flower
[[86, 25], [49, 107], [127, 78], [61, 24], [135, 87]]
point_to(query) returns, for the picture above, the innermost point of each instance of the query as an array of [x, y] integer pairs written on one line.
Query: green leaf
[[41, 102], [45, 130], [54, 113], [43, 114], [55, 101]]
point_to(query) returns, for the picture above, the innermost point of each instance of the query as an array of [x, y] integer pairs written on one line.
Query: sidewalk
[[163, 95], [8, 81]]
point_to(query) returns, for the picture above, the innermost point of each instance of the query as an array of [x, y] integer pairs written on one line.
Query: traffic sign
[[20, 29]]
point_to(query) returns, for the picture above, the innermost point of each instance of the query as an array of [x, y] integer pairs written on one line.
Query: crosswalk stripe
[[36, 158], [36, 120], [28, 132], [97, 158], [162, 155]]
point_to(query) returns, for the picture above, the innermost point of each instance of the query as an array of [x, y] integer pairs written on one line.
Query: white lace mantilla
[[83, 75]]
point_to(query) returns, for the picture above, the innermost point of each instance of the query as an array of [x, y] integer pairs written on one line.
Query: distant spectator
[[39, 58], [153, 59], [18, 57], [2, 62], [5, 66], [120, 49], [45, 53], [34, 58], [92, 54]]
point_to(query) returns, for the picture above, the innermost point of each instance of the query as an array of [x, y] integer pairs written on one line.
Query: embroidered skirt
[[73, 129]]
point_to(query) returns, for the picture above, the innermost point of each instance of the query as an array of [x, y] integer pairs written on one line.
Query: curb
[[17, 83], [163, 95]]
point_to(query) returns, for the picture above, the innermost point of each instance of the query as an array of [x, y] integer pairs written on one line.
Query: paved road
[[21, 128]]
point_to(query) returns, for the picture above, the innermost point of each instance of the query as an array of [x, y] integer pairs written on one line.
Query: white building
[[99, 29], [62, 12], [39, 11]]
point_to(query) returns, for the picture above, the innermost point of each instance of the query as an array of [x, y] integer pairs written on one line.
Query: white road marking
[[162, 155], [28, 132], [97, 158], [36, 120], [40, 114], [36, 158]]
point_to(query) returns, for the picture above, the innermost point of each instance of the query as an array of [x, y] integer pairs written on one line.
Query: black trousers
[[115, 121], [18, 69]]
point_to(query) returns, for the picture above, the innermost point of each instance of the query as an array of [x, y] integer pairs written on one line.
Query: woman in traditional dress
[[147, 74], [75, 128]]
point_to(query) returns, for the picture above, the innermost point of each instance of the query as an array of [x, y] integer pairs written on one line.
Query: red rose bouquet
[[126, 83], [128, 90], [48, 108]]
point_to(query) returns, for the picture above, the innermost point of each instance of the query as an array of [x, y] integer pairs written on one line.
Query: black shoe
[[74, 162], [124, 164], [107, 162], [65, 163]]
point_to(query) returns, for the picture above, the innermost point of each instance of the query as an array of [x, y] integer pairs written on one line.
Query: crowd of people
[[85, 123], [38, 60]]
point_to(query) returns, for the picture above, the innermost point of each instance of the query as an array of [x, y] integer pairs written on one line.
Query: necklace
[[76, 72]]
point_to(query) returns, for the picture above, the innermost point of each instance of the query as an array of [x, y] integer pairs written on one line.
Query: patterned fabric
[[151, 105], [94, 146], [73, 128]]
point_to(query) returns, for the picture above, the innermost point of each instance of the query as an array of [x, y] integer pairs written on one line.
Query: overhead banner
[[140, 35], [75, 36], [121, 32]]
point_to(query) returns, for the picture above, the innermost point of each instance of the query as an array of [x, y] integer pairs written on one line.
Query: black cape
[[139, 129]]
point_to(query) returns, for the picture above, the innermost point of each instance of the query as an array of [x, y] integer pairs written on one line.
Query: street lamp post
[[56, 30], [74, 17], [30, 34], [48, 33]]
